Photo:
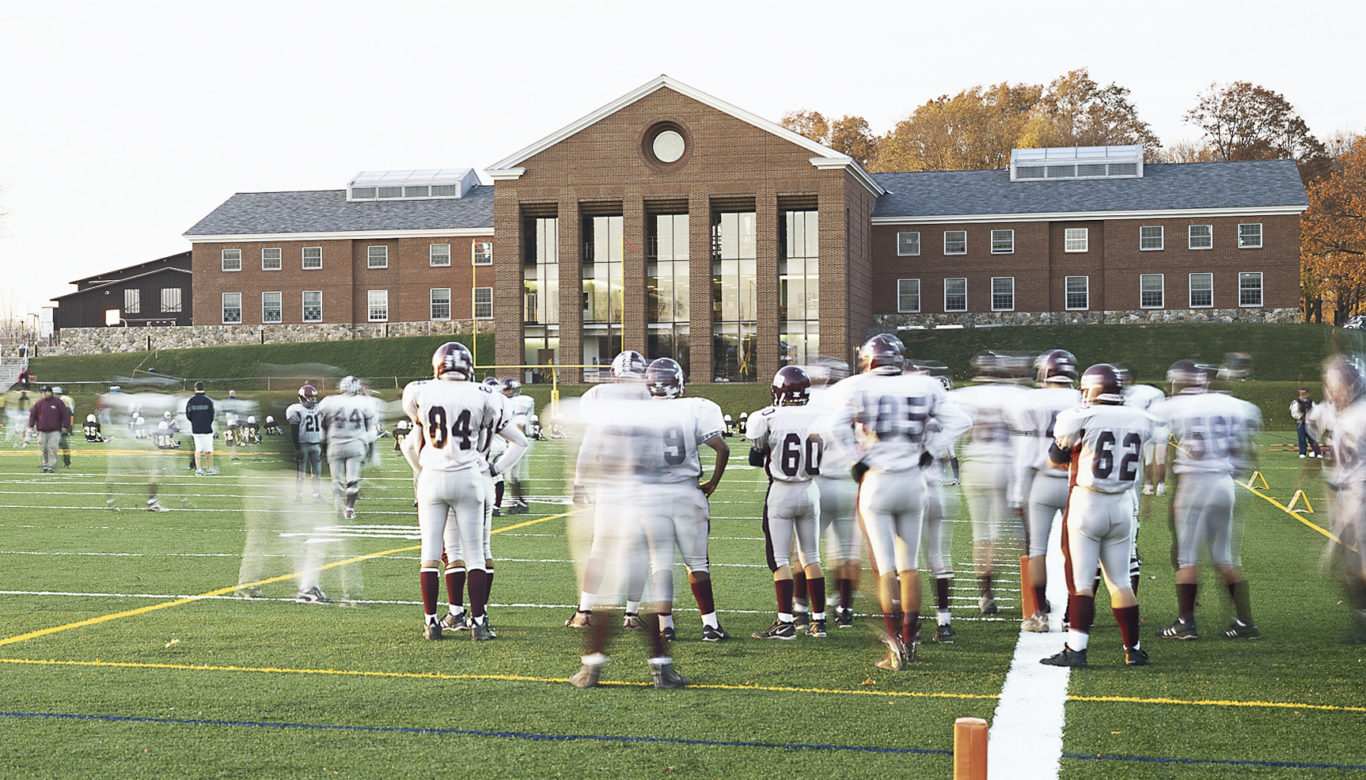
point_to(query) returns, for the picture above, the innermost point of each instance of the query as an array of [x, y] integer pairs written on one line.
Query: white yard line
[[1025, 740]]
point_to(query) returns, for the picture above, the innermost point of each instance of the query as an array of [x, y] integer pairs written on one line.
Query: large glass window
[[1250, 288], [1150, 291], [799, 287], [955, 295], [734, 305], [232, 308], [667, 288], [441, 303], [540, 294], [603, 293], [908, 296], [378, 305], [270, 307], [1002, 293], [313, 306], [1202, 291], [1077, 293]]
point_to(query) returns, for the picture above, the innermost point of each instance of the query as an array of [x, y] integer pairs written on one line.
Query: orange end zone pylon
[[1028, 605], [969, 749]]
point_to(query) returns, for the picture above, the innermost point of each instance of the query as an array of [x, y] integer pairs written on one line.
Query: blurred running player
[[348, 423]]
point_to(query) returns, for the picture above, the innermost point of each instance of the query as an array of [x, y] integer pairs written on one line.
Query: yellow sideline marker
[[1252, 480], [1299, 494], [969, 749]]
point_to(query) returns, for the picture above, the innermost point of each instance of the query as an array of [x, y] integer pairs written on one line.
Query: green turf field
[[123, 652]]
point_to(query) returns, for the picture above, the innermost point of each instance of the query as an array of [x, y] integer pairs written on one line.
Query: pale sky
[[122, 124]]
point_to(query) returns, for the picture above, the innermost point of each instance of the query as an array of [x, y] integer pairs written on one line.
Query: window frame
[[433, 256], [223, 308], [1257, 245], [432, 303], [279, 258], [1009, 250], [947, 253], [475, 303], [132, 300], [962, 279], [899, 293], [1161, 238], [1190, 290], [1162, 290], [475, 253], [303, 259], [179, 302], [1261, 290], [901, 233], [370, 257], [1086, 292], [303, 306], [996, 279], [1067, 240], [1190, 237], [279, 312], [370, 305], [224, 261]]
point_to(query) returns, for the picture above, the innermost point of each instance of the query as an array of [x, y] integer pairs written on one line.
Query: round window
[[668, 146]]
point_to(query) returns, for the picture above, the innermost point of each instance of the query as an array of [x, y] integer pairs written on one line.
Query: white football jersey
[[789, 437], [1211, 429], [453, 415], [1142, 396], [594, 410], [989, 404], [668, 441], [347, 418], [835, 461], [520, 408], [1034, 418], [1111, 439], [1349, 444], [886, 415], [310, 422]]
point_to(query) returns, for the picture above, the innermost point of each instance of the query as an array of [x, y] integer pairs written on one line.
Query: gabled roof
[[118, 282], [1247, 187], [168, 259], [320, 213], [825, 157]]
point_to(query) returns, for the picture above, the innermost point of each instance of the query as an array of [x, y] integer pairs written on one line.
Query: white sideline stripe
[[1025, 740]]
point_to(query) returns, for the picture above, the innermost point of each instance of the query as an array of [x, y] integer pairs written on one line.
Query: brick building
[[673, 223]]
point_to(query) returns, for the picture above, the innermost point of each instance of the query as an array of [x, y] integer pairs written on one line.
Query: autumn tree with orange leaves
[[1333, 239]]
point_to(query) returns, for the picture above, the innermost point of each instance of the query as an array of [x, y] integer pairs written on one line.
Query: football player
[[1142, 396], [348, 422], [628, 384], [837, 497], [521, 408], [451, 411], [880, 417], [1344, 390], [1101, 444], [91, 429], [785, 444], [1211, 431], [306, 427], [164, 437], [251, 432], [672, 467], [1044, 484], [272, 428]]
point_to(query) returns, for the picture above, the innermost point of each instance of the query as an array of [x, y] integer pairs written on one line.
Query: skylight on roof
[[1077, 162], [425, 184]]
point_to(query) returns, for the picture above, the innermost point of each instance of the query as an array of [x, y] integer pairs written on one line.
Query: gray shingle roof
[[1164, 186], [328, 211]]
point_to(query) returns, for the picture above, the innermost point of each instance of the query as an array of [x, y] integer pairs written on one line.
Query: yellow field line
[[702, 686], [224, 591], [1283, 508]]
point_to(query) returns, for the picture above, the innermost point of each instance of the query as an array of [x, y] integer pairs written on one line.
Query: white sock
[[818, 616], [594, 659], [710, 620], [666, 621], [431, 619], [942, 618], [1077, 640], [586, 601], [784, 617], [633, 607]]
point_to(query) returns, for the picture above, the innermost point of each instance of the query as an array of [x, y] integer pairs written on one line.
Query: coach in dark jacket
[[199, 411], [50, 418]]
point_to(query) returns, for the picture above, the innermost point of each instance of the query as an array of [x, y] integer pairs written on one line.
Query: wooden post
[[1028, 604], [969, 749]]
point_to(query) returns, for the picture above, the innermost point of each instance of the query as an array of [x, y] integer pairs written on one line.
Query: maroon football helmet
[[453, 360], [791, 387], [1187, 376], [882, 354], [664, 378], [1100, 385], [308, 396], [1057, 367], [628, 366]]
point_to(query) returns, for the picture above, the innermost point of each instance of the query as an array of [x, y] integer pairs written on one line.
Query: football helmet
[[90, 418], [1343, 381], [1100, 385], [511, 386], [1187, 376], [882, 354], [1126, 374], [1058, 367], [166, 415], [629, 365], [791, 387], [492, 381], [308, 396], [453, 360], [163, 426], [270, 420], [348, 385], [664, 378], [251, 420], [932, 369]]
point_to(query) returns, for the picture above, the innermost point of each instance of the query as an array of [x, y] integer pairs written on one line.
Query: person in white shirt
[[520, 408], [1344, 391], [348, 426]]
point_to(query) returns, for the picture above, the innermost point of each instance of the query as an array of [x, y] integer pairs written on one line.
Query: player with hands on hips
[[305, 428]]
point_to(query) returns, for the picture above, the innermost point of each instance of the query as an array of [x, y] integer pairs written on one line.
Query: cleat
[[488, 623], [1179, 630], [580, 619], [586, 676], [431, 630], [666, 676], [1036, 623], [895, 659], [248, 593], [1134, 656], [348, 514], [668, 634], [779, 630], [313, 595], [844, 618], [717, 634], [200, 472], [480, 632], [155, 506], [801, 620], [210, 472], [1161, 488], [943, 634], [1075, 659], [817, 629], [496, 511], [1147, 490], [987, 605], [1238, 630], [632, 621], [454, 622]]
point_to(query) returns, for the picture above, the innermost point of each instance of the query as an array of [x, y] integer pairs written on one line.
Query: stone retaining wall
[[888, 322], [86, 341]]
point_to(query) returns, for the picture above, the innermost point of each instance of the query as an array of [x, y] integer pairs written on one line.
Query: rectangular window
[[270, 307], [908, 244], [439, 255], [955, 242], [483, 253], [1202, 291], [1076, 239], [232, 259], [1150, 291], [377, 257], [1002, 242], [1250, 235], [313, 305], [1077, 295], [132, 301], [1201, 237], [441, 303], [378, 301], [1002, 293], [170, 300], [1250, 288], [232, 308], [908, 295], [483, 303], [955, 295], [1150, 238], [271, 259], [313, 258]]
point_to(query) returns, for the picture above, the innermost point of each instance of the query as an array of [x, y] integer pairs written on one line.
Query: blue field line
[[474, 733]]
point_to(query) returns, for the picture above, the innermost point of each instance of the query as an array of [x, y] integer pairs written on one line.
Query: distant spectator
[[200, 412], [26, 378], [51, 419], [1299, 411]]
